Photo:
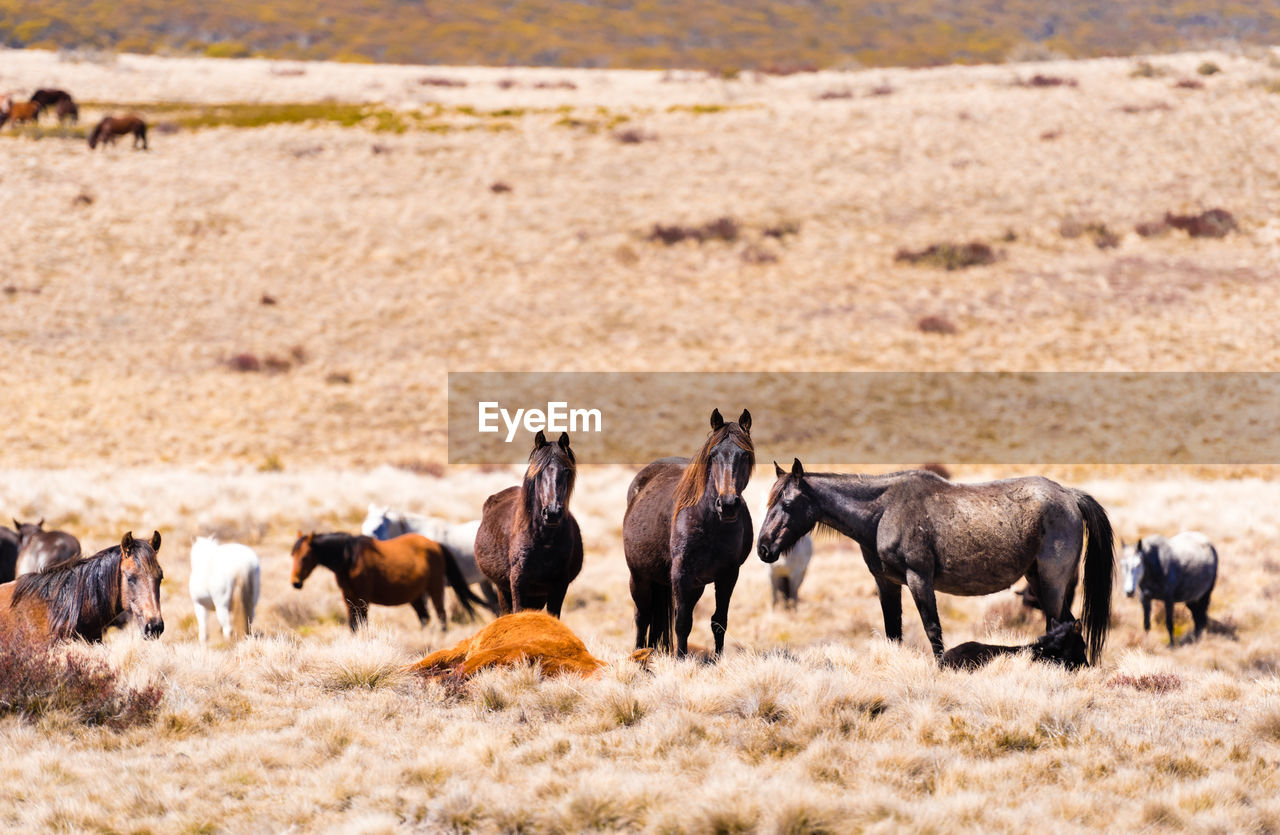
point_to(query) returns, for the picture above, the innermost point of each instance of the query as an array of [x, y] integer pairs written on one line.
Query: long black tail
[[459, 584], [663, 613], [1099, 565]]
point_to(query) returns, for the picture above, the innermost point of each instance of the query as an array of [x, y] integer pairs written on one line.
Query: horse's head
[[140, 577], [792, 513], [26, 530], [548, 482], [721, 469], [376, 523], [304, 559], [1063, 644], [1131, 567]]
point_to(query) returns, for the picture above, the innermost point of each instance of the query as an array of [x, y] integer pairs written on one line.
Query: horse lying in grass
[[80, 599], [528, 637], [1062, 644], [225, 578]]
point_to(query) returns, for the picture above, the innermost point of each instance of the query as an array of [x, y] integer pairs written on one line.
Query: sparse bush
[[880, 90], [1208, 68], [1146, 69], [1158, 683], [1151, 229], [338, 378], [1153, 107], [1215, 223], [937, 324], [555, 85], [267, 300], [723, 229], [1039, 80], [1189, 84], [36, 681], [781, 229], [244, 363], [441, 81], [634, 136], [499, 187], [949, 256], [1102, 237], [757, 255], [831, 95]]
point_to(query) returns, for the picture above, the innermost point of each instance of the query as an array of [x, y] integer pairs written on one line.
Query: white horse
[[458, 539], [226, 579], [786, 575], [1180, 569]]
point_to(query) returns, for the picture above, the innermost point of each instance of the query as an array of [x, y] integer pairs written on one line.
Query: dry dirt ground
[[391, 260]]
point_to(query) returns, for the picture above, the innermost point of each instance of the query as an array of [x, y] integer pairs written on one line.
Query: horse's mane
[[345, 545], [694, 479], [539, 459], [91, 583]]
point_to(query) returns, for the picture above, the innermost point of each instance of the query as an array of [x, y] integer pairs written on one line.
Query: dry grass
[[387, 268]]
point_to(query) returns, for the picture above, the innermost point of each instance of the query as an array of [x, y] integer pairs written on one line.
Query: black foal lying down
[[1063, 644]]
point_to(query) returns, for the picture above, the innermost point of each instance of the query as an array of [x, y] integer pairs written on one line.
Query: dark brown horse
[[39, 549], [110, 127], [60, 101], [392, 572], [686, 527], [529, 545], [929, 534], [80, 599]]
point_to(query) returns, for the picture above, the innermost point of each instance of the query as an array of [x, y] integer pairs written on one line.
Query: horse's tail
[[663, 623], [245, 599], [459, 584], [1099, 565]]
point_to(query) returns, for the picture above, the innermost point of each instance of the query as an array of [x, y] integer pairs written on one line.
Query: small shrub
[[1215, 223], [271, 464], [555, 85], [949, 256], [831, 95], [1189, 84], [938, 325], [441, 81], [1158, 683], [499, 187], [36, 680], [757, 255], [1151, 229], [1103, 238], [338, 378], [633, 136], [1154, 107], [1146, 69], [781, 229], [724, 229], [1050, 135], [1208, 68], [244, 363], [506, 83], [267, 300], [1039, 80], [880, 90]]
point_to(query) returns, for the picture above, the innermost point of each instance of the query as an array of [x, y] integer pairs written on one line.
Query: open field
[[132, 286]]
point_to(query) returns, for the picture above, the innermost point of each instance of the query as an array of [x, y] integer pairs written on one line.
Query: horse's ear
[[126, 542], [1078, 627], [716, 420], [564, 440], [155, 541], [778, 471], [797, 469], [744, 420], [539, 440]]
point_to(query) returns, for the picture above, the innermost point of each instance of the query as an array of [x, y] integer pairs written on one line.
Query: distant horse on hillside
[[80, 599], [408, 569], [39, 550], [929, 534], [458, 540], [61, 102], [225, 578], [1063, 644], [529, 544], [687, 527], [110, 127], [1181, 569]]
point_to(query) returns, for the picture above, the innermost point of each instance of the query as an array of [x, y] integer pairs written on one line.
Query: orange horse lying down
[[512, 640]]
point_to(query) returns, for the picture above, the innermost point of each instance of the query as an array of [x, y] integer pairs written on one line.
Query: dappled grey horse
[[1180, 569], [929, 534]]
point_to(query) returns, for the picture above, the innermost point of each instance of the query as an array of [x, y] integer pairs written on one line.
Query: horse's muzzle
[[297, 584], [727, 508], [551, 517], [765, 554], [152, 629]]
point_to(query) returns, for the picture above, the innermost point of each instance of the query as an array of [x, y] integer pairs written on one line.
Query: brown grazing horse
[[39, 549], [21, 111], [686, 527], [528, 637], [391, 572], [529, 544], [109, 128], [80, 599]]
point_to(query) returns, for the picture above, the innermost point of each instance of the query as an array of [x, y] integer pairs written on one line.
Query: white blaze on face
[[1131, 566]]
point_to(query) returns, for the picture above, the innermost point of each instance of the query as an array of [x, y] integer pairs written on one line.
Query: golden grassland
[[133, 281]]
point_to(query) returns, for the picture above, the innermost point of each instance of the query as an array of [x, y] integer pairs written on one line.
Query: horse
[[929, 534], [458, 541], [1062, 644], [8, 554], [529, 544], [225, 577], [528, 637], [60, 100], [686, 526], [39, 549], [110, 127], [1180, 569], [408, 569], [80, 599], [22, 111], [786, 575]]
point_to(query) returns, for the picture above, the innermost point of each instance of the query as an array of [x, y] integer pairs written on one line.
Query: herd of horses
[[61, 104], [685, 527]]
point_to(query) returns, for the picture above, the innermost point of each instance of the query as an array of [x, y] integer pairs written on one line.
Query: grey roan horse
[[929, 534], [1181, 569]]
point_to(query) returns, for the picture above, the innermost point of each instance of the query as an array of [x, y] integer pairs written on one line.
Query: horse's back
[[646, 526], [493, 537], [1197, 562], [45, 550]]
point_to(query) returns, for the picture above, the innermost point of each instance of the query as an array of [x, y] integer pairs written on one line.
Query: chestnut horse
[[80, 599], [529, 544], [686, 527], [110, 127], [39, 549], [390, 572], [21, 111], [527, 637]]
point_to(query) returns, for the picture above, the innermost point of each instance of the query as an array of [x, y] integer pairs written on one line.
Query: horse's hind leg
[[202, 620], [927, 605], [891, 607]]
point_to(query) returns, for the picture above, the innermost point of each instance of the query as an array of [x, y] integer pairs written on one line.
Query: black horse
[[686, 527], [1063, 644], [59, 101], [8, 554], [529, 544], [921, 531]]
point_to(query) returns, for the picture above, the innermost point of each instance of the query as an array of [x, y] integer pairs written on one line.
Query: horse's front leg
[[1168, 616], [891, 607], [1146, 613], [725, 581], [927, 605], [555, 597], [687, 595]]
